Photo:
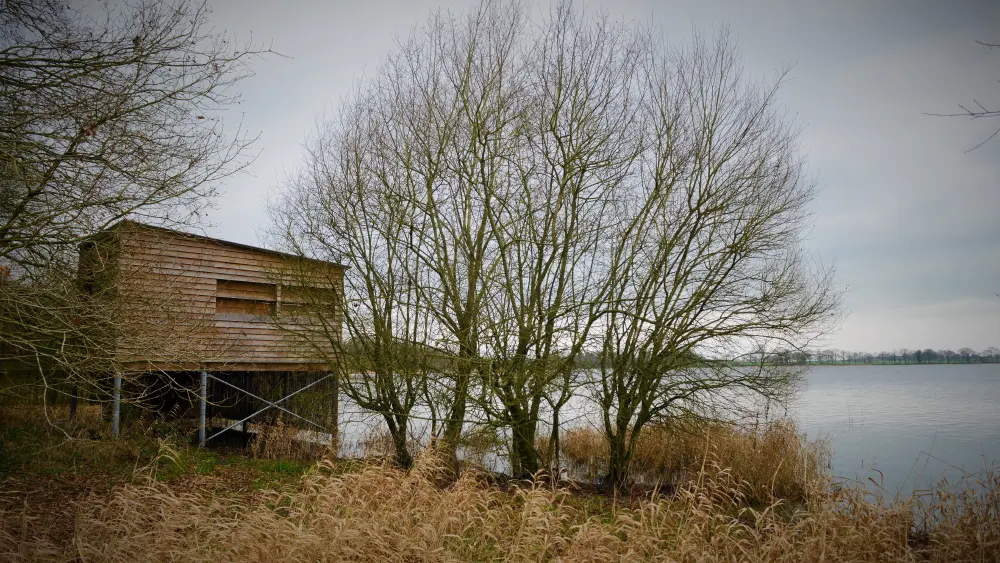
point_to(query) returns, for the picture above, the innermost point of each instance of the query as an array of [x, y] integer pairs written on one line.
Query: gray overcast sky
[[909, 217]]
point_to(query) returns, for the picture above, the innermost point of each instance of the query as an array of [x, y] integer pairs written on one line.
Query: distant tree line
[[990, 355]]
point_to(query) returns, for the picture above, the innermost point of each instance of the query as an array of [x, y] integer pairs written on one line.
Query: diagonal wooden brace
[[270, 405]]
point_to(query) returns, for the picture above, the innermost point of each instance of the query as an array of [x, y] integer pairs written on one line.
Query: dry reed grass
[[383, 514], [772, 462], [380, 513], [88, 416], [281, 441]]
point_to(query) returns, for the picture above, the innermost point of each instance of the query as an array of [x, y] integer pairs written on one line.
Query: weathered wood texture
[[185, 302]]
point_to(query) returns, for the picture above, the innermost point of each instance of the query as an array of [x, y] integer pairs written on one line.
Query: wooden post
[[335, 430], [203, 397], [246, 401], [116, 405]]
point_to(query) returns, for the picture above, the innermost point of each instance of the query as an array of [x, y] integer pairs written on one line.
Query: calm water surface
[[915, 424]]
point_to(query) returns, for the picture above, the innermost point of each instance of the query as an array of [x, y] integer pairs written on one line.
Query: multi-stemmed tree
[[513, 195]]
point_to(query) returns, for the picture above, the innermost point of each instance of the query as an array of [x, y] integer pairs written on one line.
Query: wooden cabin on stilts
[[218, 330]]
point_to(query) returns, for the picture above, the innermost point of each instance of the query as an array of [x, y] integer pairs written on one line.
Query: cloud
[[908, 215], [953, 324]]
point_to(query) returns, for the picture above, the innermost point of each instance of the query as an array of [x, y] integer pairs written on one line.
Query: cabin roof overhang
[[128, 223]]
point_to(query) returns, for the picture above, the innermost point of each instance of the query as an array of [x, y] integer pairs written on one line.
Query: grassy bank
[[739, 497]]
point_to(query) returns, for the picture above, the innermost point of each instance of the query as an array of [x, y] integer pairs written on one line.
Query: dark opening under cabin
[[239, 332]]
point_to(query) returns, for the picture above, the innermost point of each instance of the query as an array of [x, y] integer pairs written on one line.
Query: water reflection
[[905, 427]]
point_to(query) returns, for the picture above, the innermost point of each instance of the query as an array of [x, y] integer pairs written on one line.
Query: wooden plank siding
[[188, 302]]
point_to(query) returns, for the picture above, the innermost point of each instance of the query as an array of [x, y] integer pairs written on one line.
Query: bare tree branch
[[513, 197]]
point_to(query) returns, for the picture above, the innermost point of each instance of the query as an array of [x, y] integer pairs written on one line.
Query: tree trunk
[[397, 431], [403, 457], [524, 458], [619, 457], [456, 420]]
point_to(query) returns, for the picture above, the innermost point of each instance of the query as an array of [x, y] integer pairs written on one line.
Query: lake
[[914, 423]]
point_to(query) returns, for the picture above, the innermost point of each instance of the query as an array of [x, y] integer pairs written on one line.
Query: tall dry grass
[[383, 514], [281, 441], [380, 513], [773, 461]]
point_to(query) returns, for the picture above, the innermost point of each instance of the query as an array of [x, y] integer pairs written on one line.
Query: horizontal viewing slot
[[243, 306], [313, 295], [235, 299], [245, 290]]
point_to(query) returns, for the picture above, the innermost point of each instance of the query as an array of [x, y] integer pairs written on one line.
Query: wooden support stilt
[[335, 429], [203, 398], [246, 424]]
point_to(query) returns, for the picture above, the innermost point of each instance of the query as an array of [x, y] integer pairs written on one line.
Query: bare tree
[[466, 86], [103, 115], [708, 263], [343, 207], [413, 167], [992, 353], [948, 355], [977, 109], [565, 188], [500, 148], [579, 141], [108, 118], [903, 355], [967, 354]]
